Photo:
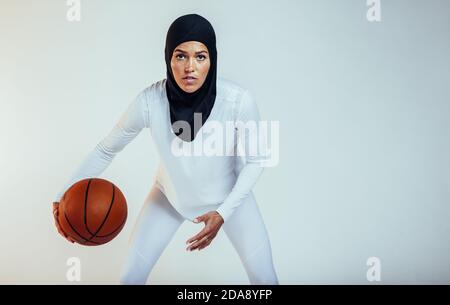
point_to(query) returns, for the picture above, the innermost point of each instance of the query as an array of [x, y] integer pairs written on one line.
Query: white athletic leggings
[[158, 221]]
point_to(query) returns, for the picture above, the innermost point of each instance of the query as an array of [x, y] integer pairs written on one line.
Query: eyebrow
[[179, 50]]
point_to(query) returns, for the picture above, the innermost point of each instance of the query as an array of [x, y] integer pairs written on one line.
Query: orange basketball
[[92, 211]]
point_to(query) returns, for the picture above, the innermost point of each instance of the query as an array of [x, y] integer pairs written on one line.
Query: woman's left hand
[[213, 222]]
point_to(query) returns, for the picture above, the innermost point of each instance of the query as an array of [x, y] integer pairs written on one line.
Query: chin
[[190, 89]]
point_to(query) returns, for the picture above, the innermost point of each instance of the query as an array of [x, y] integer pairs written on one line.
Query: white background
[[364, 113]]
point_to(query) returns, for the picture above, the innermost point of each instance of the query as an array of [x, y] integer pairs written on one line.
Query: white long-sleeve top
[[192, 183]]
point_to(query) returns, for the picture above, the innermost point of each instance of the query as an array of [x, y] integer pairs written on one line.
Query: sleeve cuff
[[225, 215]]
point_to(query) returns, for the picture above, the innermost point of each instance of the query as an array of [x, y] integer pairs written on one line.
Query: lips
[[189, 80]]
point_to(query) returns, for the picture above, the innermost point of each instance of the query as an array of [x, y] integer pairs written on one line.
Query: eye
[[179, 55], [201, 57]]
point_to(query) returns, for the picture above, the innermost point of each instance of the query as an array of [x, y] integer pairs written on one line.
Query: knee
[[135, 271], [259, 266], [270, 279], [264, 275], [133, 277]]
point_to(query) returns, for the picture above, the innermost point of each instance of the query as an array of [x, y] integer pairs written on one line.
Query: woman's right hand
[[58, 226]]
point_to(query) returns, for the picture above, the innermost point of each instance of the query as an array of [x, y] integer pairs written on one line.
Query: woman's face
[[190, 65]]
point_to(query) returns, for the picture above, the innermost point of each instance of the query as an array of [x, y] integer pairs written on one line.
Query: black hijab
[[182, 104]]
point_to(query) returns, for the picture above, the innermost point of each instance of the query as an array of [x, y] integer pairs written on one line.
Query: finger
[[58, 226], [205, 245], [208, 242], [194, 245], [62, 233], [198, 243], [199, 219], [69, 239], [200, 235], [66, 236], [198, 238]]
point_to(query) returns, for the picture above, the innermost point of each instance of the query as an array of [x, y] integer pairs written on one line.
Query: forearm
[[132, 121], [246, 180], [92, 166]]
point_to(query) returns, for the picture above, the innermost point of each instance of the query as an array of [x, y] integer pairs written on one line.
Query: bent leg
[[157, 223], [247, 232]]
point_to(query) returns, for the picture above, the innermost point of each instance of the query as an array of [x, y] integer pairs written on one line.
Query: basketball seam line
[[85, 207], [86, 240], [107, 214]]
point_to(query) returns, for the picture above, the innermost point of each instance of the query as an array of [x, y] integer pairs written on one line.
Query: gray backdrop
[[364, 114]]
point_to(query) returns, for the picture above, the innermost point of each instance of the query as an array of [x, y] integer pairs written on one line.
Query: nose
[[189, 66]]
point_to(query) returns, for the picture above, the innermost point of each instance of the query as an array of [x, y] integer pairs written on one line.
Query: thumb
[[199, 218]]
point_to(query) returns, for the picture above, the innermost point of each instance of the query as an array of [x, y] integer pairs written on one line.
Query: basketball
[[92, 211]]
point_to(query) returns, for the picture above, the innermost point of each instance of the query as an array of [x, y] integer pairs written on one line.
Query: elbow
[[105, 151]]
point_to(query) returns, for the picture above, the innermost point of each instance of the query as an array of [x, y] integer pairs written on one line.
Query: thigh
[[247, 232], [156, 225], [246, 229]]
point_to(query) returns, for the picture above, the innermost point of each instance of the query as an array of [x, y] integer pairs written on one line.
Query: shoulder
[[153, 94], [154, 90], [232, 91], [229, 90], [239, 98]]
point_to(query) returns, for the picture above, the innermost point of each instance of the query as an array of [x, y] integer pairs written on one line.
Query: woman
[[214, 189]]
